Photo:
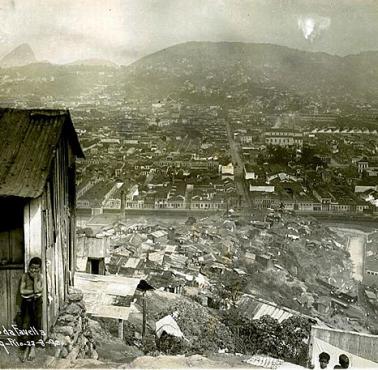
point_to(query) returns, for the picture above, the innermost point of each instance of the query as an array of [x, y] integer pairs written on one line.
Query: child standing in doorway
[[31, 305]]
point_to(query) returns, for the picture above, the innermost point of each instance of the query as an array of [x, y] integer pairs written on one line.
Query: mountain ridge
[[235, 67], [93, 62], [226, 72], [111, 63], [246, 44]]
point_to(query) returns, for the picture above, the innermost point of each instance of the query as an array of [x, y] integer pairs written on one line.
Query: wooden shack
[[38, 149]]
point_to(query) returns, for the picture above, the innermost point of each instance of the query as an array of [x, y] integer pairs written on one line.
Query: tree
[[310, 159], [88, 232], [295, 334], [260, 160], [279, 154], [287, 340], [190, 221], [230, 285]]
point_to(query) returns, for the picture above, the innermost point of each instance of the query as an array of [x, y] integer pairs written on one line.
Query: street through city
[[241, 186]]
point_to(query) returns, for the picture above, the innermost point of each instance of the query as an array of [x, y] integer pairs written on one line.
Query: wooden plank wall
[[4, 297], [60, 202], [359, 344], [59, 228], [14, 281], [9, 295]]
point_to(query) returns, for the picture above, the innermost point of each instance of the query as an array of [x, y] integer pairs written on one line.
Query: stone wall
[[72, 330]]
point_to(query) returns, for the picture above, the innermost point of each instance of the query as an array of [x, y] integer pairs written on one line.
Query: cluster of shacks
[[38, 149]]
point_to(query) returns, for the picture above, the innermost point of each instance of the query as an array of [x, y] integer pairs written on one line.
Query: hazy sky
[[123, 30]]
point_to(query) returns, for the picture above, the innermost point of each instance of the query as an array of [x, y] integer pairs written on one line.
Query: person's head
[[35, 265], [324, 358], [344, 361]]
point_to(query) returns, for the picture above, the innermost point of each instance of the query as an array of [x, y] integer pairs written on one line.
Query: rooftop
[[29, 140]]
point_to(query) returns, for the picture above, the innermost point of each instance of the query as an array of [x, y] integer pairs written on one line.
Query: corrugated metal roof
[[111, 285], [159, 233], [101, 292], [132, 262], [28, 142], [156, 257], [274, 312], [255, 309]]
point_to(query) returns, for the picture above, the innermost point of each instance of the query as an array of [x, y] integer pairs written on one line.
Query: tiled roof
[[28, 142]]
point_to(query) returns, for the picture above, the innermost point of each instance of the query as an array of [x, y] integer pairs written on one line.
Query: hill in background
[[250, 69], [205, 72]]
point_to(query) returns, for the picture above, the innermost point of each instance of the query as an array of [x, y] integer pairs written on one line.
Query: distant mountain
[[93, 62], [20, 56], [273, 78], [248, 70]]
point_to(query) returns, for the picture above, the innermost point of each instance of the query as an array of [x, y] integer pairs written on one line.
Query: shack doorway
[[96, 266], [12, 257]]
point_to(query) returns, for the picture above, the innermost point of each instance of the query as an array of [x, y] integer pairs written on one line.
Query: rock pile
[[72, 331]]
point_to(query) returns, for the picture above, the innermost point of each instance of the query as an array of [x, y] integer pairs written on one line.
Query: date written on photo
[[11, 342]]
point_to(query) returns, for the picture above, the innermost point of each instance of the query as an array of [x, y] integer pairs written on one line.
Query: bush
[[190, 221], [149, 345], [287, 340], [203, 331], [88, 232], [170, 345]]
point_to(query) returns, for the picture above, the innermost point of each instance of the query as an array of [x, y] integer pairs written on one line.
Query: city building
[[284, 137]]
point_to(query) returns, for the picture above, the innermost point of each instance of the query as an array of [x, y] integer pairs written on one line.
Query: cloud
[[312, 26]]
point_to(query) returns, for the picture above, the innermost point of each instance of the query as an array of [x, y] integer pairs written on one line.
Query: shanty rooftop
[[29, 139]]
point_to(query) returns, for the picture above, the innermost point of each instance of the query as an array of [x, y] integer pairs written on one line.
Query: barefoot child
[[31, 304]]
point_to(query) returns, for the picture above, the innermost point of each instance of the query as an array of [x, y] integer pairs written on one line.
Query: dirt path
[[356, 246]]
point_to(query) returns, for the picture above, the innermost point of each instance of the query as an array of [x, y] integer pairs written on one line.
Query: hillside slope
[[230, 68]]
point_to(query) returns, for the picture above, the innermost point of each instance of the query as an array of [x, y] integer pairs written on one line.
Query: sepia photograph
[[189, 184]]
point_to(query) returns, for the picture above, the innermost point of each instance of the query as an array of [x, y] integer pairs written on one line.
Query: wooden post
[[120, 329], [144, 315], [311, 347]]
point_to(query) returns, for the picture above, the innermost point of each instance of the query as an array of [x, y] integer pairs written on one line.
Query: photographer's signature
[[14, 332]]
